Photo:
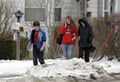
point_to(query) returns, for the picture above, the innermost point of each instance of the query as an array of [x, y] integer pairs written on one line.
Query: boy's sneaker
[[44, 65]]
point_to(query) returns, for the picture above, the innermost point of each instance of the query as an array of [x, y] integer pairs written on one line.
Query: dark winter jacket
[[85, 33]]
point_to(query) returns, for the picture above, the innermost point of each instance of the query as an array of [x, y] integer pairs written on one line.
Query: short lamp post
[[18, 15]]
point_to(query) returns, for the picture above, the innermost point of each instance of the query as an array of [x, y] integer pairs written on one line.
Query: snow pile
[[59, 70], [111, 67], [73, 68]]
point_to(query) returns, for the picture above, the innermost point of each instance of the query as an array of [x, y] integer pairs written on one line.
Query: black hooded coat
[[86, 33]]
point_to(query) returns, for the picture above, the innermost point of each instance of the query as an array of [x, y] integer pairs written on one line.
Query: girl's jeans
[[67, 50]]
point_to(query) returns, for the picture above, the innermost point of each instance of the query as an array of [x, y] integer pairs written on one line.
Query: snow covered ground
[[58, 70]]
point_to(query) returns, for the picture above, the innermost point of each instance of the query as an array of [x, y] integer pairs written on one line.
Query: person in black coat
[[86, 37]]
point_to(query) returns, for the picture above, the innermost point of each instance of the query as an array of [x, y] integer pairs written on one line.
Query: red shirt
[[35, 37], [67, 35]]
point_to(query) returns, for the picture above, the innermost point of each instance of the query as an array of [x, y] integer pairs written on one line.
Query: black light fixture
[[77, 0], [18, 15]]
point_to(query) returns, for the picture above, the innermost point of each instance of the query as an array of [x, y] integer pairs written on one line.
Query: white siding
[[93, 7], [119, 6], [70, 7]]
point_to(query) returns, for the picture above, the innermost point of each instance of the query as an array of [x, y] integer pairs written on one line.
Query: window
[[32, 14], [35, 10], [57, 14]]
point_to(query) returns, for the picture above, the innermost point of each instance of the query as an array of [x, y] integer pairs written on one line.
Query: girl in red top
[[69, 32]]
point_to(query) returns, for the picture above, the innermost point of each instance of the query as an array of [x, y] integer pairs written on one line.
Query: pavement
[[17, 78]]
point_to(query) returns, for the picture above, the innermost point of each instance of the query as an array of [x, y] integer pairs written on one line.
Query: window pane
[[32, 14], [57, 14], [34, 3]]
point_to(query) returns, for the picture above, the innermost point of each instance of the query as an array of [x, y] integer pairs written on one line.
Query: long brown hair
[[71, 22]]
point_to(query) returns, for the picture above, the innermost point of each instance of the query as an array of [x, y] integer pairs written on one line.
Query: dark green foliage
[[7, 49]]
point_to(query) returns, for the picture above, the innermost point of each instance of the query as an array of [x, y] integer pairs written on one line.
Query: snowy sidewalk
[[63, 70]]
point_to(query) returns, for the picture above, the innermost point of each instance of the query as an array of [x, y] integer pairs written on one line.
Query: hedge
[[8, 49]]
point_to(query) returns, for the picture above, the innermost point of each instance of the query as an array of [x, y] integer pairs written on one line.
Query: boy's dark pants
[[37, 55], [84, 53]]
